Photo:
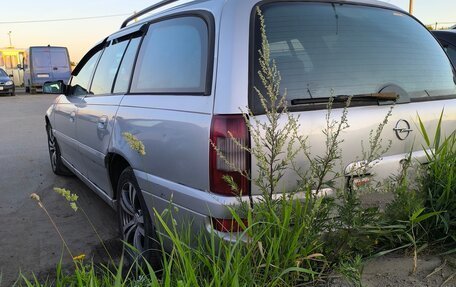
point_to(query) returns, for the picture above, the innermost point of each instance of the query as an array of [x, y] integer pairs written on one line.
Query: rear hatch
[[50, 64], [329, 50]]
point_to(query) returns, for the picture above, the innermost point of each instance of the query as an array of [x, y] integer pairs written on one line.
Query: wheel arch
[[115, 163]]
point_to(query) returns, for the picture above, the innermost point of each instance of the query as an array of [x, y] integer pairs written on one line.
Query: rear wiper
[[343, 98]]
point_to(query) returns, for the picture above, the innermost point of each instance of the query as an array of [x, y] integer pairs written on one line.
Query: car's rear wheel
[[54, 154], [136, 229], [27, 90]]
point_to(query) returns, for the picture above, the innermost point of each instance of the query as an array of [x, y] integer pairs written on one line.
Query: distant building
[[10, 58]]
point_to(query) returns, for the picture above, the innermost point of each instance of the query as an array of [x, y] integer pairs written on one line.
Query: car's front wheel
[[54, 154], [135, 224]]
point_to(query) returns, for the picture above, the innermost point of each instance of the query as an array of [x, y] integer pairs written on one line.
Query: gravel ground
[[28, 241]]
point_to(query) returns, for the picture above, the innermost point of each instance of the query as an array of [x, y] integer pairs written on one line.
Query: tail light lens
[[228, 225], [235, 157]]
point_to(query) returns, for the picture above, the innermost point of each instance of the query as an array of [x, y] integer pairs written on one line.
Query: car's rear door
[[60, 64], [96, 113]]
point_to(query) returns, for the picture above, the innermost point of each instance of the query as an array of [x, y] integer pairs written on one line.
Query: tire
[[135, 224], [27, 90], [54, 154]]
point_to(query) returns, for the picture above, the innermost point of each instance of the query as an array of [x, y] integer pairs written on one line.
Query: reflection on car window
[[322, 49], [79, 84], [107, 68]]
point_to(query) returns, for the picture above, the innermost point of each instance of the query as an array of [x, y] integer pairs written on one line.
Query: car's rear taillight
[[232, 156], [228, 225]]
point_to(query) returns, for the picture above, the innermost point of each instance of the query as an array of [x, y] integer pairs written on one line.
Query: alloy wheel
[[132, 217]]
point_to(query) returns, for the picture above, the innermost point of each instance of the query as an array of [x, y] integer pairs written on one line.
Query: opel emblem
[[402, 129]]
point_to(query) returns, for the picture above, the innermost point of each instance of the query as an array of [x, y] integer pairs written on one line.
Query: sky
[[80, 35]]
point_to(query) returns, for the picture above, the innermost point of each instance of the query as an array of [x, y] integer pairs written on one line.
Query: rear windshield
[[41, 58], [324, 49]]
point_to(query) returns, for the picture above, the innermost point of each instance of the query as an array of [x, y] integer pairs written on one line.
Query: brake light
[[238, 158], [228, 225]]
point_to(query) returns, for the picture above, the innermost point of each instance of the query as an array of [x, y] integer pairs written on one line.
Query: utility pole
[[411, 7], [9, 35]]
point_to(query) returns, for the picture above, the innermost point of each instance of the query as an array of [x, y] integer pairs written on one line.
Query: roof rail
[[146, 10]]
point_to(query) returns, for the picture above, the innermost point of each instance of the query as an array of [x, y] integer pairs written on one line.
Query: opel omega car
[[178, 78]]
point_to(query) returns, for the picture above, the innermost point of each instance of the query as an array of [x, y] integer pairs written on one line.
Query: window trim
[[316, 106], [208, 19], [444, 43], [97, 48]]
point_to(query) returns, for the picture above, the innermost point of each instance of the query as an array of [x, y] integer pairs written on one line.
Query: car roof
[[446, 35], [188, 3]]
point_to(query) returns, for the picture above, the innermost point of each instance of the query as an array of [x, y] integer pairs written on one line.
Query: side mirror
[[11, 76], [55, 87]]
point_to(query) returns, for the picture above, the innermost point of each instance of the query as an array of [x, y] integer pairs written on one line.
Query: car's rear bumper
[[190, 208]]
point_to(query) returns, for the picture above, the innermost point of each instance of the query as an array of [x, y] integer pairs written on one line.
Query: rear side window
[[173, 58], [125, 69], [107, 68], [323, 50], [79, 84], [59, 58]]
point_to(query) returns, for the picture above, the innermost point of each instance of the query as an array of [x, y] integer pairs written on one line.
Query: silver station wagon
[[136, 120]]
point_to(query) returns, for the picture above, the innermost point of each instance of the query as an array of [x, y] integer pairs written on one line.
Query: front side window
[[107, 68], [173, 58], [79, 84], [324, 50]]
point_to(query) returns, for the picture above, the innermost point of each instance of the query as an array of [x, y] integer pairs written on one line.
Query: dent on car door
[[67, 109], [96, 114]]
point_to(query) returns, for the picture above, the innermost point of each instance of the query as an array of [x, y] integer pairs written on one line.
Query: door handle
[[102, 122], [72, 116]]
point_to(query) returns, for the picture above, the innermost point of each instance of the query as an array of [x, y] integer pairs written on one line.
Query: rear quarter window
[[173, 58]]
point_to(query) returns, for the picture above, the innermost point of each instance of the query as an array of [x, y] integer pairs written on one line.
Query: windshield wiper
[[343, 98]]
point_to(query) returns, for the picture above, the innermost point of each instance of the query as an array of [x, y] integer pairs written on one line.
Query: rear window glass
[[41, 59], [59, 58], [323, 50]]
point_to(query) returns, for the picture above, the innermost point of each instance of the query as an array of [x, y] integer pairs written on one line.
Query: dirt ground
[[396, 270]]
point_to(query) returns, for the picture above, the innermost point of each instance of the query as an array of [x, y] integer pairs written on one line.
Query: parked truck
[[43, 64]]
